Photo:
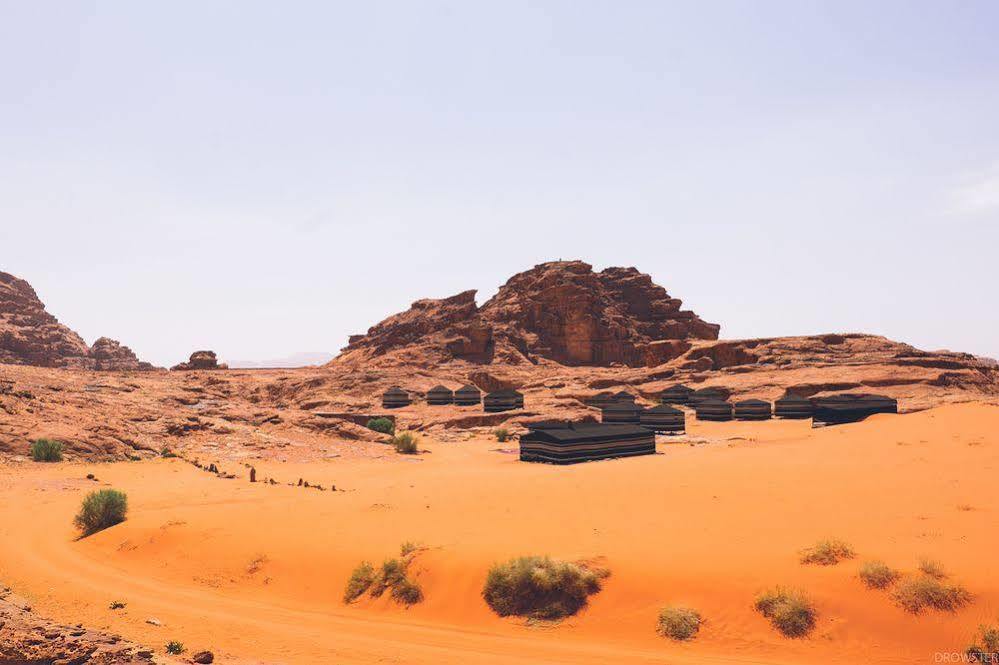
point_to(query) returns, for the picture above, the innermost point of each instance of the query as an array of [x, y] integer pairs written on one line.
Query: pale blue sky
[[267, 178]]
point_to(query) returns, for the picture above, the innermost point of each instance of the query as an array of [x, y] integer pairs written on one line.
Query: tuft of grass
[[917, 593], [101, 509], [932, 568], [383, 425], [789, 611], [501, 434], [407, 592], [539, 587], [406, 443], [175, 647], [46, 450], [678, 623], [116, 605], [408, 548], [166, 452], [360, 581], [877, 575], [986, 648], [827, 553]]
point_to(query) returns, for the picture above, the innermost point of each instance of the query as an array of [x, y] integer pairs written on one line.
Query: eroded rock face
[[29, 335], [561, 311], [200, 360]]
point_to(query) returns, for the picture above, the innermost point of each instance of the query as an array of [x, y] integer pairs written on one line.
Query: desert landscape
[[255, 497]]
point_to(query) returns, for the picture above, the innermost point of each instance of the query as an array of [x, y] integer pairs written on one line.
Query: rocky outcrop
[[29, 335], [200, 360], [28, 638], [561, 311]]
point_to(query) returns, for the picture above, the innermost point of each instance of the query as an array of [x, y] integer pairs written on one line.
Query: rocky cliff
[[29, 335], [561, 311]]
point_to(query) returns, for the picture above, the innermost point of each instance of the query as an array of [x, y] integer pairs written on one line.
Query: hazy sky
[[266, 178]]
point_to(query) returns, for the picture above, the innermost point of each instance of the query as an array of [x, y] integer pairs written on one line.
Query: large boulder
[[200, 360]]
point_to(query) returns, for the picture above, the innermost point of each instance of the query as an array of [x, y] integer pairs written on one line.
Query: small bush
[[914, 594], [100, 510], [407, 548], [502, 434], [679, 623], [986, 649], [789, 611], [827, 553], [539, 587], [391, 573], [46, 450], [407, 592], [383, 425], [360, 581], [405, 443], [117, 605], [166, 452], [877, 575], [175, 647], [932, 568]]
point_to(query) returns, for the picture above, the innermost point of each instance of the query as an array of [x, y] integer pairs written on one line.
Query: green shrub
[[166, 452], [932, 568], [383, 425], [827, 553], [679, 623], [405, 443], [540, 587], [360, 581], [391, 573], [46, 450], [789, 611], [175, 647], [100, 510], [502, 434], [986, 649], [916, 593], [408, 548], [407, 592], [877, 575]]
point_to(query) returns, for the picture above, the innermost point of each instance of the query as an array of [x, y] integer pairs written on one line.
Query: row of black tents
[[498, 400]]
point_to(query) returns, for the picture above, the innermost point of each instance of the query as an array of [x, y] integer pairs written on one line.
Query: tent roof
[[595, 432], [508, 392], [679, 388], [468, 389], [396, 390], [663, 408], [752, 402]]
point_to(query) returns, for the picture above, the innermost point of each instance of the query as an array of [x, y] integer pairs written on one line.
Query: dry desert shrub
[[392, 576], [46, 450], [678, 623], [827, 553], [407, 592], [406, 443], [502, 434], [540, 587], [383, 425], [361, 579], [174, 647], [100, 510], [986, 648], [789, 611], [877, 575], [916, 593], [932, 568]]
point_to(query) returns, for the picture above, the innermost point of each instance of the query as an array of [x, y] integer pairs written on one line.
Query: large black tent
[[440, 395], [752, 409], [621, 412], [850, 407], [395, 397], [467, 396], [568, 445], [678, 394], [713, 409], [664, 419], [503, 400], [793, 407]]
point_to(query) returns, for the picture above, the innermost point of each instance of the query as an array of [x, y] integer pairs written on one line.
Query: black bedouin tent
[[503, 400], [709, 393], [621, 412], [850, 407], [713, 409], [678, 394], [752, 409], [440, 395], [793, 407], [395, 397], [600, 400], [568, 445], [467, 396], [664, 419]]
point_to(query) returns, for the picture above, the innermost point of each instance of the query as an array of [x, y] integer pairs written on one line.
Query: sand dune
[[256, 572]]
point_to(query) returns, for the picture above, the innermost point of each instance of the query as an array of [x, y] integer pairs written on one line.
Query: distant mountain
[[301, 359]]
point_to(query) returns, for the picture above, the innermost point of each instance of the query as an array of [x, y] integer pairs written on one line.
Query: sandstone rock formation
[[200, 360], [561, 311], [29, 335]]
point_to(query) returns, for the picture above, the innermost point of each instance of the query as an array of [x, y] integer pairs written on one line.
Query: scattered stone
[[154, 622], [253, 475], [203, 658]]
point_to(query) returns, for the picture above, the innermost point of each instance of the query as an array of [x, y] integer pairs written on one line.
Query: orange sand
[[256, 572]]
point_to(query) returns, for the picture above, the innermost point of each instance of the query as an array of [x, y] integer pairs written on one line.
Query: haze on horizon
[[264, 180]]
